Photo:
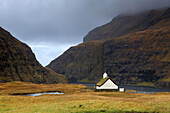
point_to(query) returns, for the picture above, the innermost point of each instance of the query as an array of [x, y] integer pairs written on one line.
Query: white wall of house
[[108, 85]]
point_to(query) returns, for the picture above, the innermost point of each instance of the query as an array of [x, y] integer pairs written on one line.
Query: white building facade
[[106, 83]]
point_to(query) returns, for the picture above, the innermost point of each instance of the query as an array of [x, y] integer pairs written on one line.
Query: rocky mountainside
[[134, 57], [125, 24], [18, 63]]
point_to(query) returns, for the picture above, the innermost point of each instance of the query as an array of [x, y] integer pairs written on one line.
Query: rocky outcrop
[[18, 63]]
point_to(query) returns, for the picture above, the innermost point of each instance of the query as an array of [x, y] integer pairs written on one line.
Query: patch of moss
[[102, 81], [145, 84]]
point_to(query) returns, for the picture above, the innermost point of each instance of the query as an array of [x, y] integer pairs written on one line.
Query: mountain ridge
[[125, 24], [140, 55], [18, 63]]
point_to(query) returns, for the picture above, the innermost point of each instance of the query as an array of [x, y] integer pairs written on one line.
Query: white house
[[106, 84]]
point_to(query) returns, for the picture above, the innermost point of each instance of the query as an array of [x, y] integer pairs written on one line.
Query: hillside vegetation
[[18, 63], [139, 55], [80, 62]]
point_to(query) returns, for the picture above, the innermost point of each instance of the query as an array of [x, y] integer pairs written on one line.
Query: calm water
[[38, 94], [145, 89], [139, 89]]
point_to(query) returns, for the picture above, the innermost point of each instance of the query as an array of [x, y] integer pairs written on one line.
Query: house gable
[[106, 84]]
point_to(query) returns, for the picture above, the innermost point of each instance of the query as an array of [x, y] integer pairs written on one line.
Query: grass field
[[77, 99]]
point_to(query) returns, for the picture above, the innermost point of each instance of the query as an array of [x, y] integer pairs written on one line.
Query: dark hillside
[[18, 63], [80, 63], [141, 55], [125, 24]]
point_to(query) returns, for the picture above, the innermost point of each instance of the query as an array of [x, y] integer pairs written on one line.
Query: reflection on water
[[38, 94], [137, 89]]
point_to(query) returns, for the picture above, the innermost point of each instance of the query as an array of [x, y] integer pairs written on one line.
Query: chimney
[[105, 75]]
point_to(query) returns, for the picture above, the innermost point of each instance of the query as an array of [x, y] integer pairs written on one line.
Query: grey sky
[[50, 27]]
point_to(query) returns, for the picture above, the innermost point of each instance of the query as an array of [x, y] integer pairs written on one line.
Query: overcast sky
[[50, 27]]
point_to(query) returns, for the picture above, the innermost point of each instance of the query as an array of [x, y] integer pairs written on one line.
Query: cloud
[[64, 21]]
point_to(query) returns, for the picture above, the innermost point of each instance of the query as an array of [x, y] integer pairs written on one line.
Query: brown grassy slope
[[165, 81], [18, 62], [58, 77], [18, 87], [125, 24], [80, 62], [134, 58], [139, 57]]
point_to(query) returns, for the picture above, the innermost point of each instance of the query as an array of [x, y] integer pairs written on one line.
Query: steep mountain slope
[[124, 24], [18, 63], [137, 57], [79, 63]]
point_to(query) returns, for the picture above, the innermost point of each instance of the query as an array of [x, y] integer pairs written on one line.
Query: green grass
[[85, 103], [166, 79], [76, 101], [145, 84]]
